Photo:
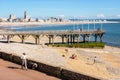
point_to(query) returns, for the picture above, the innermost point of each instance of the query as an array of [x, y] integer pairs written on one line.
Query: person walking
[[24, 61]]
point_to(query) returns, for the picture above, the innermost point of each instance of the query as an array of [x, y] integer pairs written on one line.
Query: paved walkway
[[11, 71]]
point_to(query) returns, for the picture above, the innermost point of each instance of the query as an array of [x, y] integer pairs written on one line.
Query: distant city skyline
[[67, 8]]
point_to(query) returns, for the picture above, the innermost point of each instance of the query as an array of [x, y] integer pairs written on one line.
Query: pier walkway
[[67, 36]]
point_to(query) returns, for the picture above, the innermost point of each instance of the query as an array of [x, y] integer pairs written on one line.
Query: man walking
[[24, 61]]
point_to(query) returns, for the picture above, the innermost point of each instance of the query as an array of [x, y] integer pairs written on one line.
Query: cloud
[[61, 16], [118, 15], [100, 15], [109, 8]]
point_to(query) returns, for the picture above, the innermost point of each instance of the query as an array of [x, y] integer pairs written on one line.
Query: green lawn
[[80, 45]]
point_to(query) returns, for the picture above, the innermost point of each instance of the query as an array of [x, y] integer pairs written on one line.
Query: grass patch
[[80, 45]]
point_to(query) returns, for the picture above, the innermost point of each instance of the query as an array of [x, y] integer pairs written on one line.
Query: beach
[[67, 39], [106, 65], [12, 24]]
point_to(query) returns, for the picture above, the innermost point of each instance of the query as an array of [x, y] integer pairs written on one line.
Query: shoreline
[[107, 44], [15, 24]]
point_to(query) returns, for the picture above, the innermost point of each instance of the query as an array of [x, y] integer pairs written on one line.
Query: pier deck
[[69, 35]]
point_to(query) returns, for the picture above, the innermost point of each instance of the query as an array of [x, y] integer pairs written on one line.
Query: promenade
[[11, 71]]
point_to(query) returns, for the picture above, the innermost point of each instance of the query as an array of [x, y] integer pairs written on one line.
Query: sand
[[107, 61], [12, 24]]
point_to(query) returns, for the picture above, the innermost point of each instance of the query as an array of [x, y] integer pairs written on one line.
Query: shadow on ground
[[11, 67]]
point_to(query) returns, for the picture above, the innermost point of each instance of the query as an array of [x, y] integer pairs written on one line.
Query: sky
[[62, 8]]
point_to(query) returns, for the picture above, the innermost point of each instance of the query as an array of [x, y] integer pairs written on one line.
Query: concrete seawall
[[64, 74]]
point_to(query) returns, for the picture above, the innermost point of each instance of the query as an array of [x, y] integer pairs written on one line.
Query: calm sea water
[[111, 37]]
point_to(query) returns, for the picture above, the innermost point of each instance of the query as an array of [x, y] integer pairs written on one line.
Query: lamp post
[[101, 24], [88, 24], [73, 23], [94, 24]]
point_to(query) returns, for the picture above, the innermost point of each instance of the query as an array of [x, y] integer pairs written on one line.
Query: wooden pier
[[67, 36]]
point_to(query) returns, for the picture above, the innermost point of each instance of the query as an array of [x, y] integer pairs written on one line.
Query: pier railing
[[52, 32]]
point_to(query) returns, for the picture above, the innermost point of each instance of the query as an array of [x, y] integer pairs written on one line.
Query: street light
[[88, 24], [101, 24], [94, 24]]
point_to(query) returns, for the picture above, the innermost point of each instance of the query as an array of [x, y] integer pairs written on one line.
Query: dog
[[33, 65]]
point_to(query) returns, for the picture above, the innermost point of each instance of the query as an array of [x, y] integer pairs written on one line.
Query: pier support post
[[62, 39], [96, 37], [100, 35], [36, 38], [8, 38], [78, 38], [88, 35], [84, 37], [68, 39], [51, 38], [23, 37], [73, 38]]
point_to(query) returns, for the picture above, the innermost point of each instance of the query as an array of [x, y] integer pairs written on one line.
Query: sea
[[111, 36]]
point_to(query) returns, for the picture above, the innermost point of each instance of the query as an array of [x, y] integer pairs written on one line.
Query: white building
[[3, 19], [26, 17], [12, 18], [32, 20]]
